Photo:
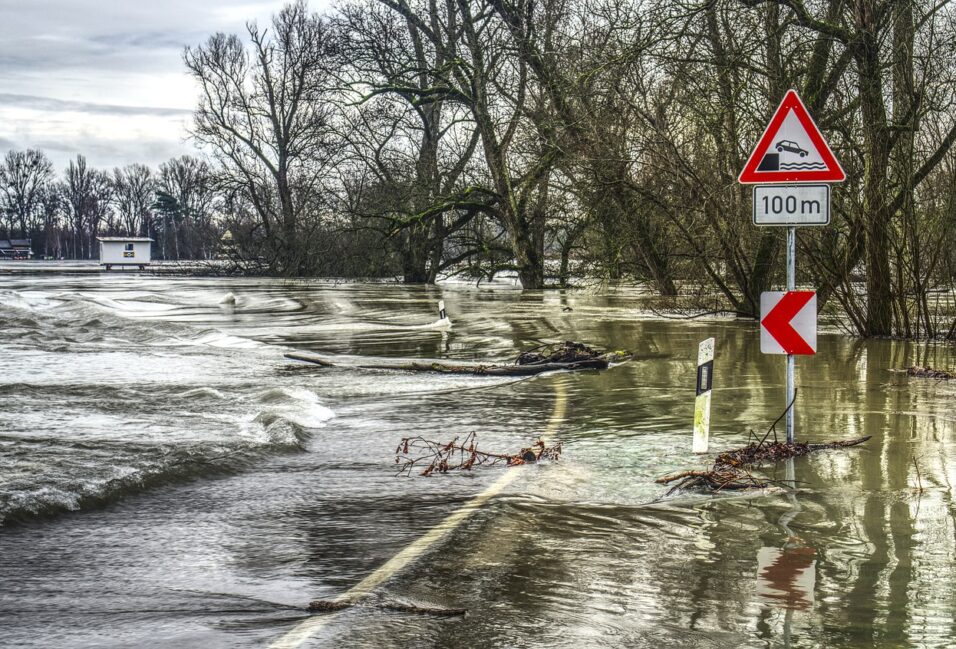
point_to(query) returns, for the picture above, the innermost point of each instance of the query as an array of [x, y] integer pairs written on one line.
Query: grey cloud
[[149, 40], [58, 105], [103, 154], [117, 62]]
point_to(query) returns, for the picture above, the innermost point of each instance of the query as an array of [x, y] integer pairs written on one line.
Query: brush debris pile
[[568, 352], [929, 373], [729, 471], [442, 457]]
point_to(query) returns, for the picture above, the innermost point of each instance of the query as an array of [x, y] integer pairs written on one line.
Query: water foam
[[296, 405]]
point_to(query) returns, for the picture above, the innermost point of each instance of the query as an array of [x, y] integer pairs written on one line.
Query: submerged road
[[411, 553], [169, 479]]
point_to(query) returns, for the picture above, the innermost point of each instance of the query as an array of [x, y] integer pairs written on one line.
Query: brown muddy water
[[168, 479]]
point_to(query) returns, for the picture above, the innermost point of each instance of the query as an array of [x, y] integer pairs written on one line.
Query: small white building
[[125, 251]]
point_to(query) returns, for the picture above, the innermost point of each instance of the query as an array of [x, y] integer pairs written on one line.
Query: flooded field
[[169, 479]]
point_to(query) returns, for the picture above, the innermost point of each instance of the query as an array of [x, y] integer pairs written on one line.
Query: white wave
[[130, 308], [29, 300], [201, 393], [297, 405], [220, 339], [37, 500], [441, 323], [217, 339]]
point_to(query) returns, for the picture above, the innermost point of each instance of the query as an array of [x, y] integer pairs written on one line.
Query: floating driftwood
[[329, 605], [545, 358], [442, 457], [929, 373], [729, 471]]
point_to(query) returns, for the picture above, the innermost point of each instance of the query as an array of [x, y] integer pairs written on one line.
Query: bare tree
[[263, 113], [133, 189], [510, 116], [185, 185], [416, 145], [24, 176], [87, 194]]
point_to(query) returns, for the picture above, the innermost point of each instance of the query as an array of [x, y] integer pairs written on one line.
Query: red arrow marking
[[777, 322]]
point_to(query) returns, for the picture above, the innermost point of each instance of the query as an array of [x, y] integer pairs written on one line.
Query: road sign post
[[790, 155], [791, 361]]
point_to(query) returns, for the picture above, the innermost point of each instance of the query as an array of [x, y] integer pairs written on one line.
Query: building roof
[[124, 239], [13, 243]]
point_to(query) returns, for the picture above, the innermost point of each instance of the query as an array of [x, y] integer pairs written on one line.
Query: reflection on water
[[168, 478], [785, 578]]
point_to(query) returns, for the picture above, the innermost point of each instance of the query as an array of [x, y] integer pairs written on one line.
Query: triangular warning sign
[[792, 149]]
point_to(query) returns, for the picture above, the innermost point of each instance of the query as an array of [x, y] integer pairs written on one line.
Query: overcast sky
[[105, 78]]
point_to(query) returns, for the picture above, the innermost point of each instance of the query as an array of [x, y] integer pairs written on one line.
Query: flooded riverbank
[[170, 479]]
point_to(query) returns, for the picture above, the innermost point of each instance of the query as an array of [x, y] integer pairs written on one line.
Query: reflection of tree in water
[[553, 571], [883, 559]]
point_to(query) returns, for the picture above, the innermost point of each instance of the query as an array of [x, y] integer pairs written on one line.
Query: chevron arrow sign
[[788, 322]]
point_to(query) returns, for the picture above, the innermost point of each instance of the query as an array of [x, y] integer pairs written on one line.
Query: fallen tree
[[544, 358]]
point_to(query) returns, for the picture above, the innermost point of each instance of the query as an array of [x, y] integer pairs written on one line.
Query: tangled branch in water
[[568, 352], [442, 457], [929, 373], [331, 605], [729, 471]]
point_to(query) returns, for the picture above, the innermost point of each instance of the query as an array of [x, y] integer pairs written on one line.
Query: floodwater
[[169, 479]]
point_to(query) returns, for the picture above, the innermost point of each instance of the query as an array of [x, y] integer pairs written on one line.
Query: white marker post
[[705, 382], [441, 309]]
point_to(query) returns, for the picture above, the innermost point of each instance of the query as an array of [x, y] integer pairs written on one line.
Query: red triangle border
[[833, 173]]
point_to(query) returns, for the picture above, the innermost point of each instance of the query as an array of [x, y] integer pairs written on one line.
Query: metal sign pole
[[791, 361]]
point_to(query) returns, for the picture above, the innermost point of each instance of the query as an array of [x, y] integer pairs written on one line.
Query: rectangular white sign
[[791, 204]]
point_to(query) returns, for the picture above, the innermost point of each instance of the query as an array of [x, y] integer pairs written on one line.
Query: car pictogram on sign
[[792, 147]]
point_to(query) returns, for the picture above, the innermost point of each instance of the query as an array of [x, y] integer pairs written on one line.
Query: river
[[169, 479]]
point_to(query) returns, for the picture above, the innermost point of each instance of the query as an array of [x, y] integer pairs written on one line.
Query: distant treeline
[[177, 205], [602, 137]]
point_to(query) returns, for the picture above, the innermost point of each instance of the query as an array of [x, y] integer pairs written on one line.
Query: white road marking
[[308, 627]]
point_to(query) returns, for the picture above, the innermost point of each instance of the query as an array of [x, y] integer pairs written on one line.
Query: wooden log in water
[[442, 367]]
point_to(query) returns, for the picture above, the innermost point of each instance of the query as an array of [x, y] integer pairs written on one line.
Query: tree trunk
[[415, 255], [879, 291]]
